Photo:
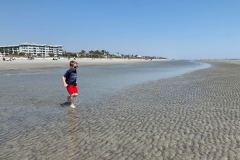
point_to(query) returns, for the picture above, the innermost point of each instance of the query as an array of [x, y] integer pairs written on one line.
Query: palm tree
[[107, 53], [82, 52], [103, 52], [91, 53]]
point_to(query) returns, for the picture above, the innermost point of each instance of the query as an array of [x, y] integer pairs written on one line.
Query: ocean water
[[42, 89], [102, 81]]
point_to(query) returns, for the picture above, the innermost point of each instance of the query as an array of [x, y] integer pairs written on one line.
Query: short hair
[[72, 63]]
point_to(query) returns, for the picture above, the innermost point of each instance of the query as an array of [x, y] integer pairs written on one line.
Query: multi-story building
[[33, 49]]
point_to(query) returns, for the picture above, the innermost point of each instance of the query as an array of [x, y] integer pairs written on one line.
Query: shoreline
[[39, 64]]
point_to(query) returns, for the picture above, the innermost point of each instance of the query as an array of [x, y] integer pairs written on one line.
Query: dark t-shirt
[[71, 77]]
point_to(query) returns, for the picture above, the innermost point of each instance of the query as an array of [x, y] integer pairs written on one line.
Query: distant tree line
[[105, 54], [81, 54]]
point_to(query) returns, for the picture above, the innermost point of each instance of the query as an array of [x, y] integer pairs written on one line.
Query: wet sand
[[193, 116]]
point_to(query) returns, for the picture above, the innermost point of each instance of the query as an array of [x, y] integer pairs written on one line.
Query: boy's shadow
[[65, 104]]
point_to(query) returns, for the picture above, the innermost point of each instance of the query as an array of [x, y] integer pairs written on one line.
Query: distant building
[[33, 49], [117, 55]]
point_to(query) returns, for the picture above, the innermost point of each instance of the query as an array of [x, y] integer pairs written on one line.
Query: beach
[[40, 64], [187, 117]]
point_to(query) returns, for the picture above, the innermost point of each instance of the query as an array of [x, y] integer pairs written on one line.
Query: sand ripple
[[195, 116]]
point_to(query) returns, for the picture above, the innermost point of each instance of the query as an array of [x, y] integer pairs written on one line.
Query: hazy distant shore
[[38, 64]]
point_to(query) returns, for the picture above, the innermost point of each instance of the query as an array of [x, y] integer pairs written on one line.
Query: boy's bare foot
[[72, 106]]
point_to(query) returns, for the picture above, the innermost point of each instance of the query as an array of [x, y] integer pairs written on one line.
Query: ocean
[[94, 83]]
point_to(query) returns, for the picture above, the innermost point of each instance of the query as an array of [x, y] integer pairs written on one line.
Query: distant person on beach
[[70, 82]]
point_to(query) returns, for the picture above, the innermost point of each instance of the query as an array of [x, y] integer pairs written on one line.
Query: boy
[[70, 82]]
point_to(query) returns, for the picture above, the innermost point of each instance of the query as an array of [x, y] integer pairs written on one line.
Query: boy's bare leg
[[71, 101], [68, 98]]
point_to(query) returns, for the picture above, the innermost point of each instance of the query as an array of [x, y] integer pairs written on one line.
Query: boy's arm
[[64, 81]]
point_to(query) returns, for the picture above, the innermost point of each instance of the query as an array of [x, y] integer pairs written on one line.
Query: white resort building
[[33, 49]]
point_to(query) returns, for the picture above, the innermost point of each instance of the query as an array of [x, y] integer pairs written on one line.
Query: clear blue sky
[[179, 29]]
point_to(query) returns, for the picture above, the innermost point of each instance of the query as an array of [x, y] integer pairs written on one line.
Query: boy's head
[[73, 65]]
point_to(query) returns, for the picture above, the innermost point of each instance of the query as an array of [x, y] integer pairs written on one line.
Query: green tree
[[97, 52], [107, 53], [15, 53], [28, 54], [51, 54], [21, 54], [82, 52], [103, 52], [64, 55], [91, 53]]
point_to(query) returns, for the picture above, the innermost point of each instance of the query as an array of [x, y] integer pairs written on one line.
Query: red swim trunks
[[72, 89]]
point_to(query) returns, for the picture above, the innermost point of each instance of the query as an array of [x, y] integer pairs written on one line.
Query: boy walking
[[70, 82]]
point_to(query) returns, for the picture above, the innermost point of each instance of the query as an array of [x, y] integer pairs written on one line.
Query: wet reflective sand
[[194, 116]]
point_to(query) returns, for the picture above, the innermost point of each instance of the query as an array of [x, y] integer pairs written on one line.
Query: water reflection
[[73, 137], [73, 121]]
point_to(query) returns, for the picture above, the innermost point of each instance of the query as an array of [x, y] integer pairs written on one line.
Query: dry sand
[[38, 64], [195, 116]]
